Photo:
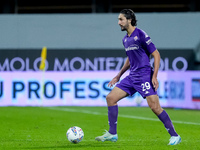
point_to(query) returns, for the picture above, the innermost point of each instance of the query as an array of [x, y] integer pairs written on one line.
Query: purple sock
[[164, 117], [112, 118]]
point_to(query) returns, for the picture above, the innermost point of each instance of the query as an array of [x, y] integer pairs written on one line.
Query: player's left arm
[[156, 56]]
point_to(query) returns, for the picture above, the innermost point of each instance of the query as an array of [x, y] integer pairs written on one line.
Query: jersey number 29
[[145, 86]]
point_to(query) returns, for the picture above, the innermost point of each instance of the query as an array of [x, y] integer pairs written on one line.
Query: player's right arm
[[125, 67]]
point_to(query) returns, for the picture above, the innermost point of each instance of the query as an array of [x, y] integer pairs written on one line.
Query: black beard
[[123, 29]]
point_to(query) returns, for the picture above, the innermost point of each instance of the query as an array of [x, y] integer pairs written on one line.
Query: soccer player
[[142, 77]]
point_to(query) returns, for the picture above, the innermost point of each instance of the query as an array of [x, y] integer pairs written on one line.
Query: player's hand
[[113, 81], [155, 83]]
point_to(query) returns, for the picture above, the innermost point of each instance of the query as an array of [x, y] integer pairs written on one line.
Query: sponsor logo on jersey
[[132, 47]]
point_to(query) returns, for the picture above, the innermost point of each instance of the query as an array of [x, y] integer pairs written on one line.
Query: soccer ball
[[75, 134]]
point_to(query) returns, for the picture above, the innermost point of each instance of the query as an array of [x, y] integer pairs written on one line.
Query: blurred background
[[85, 51], [96, 6]]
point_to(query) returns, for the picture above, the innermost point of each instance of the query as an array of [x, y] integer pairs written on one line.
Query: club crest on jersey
[[135, 38]]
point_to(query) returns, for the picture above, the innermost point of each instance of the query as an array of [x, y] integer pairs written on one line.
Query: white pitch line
[[120, 115]]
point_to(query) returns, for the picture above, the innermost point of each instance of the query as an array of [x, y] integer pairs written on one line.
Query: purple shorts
[[141, 84]]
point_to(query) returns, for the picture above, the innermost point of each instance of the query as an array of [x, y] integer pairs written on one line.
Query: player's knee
[[110, 100], [153, 108], [156, 109]]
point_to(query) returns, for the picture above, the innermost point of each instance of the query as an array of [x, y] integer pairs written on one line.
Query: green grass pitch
[[39, 128]]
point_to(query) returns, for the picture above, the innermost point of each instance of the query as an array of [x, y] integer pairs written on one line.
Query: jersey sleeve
[[147, 43]]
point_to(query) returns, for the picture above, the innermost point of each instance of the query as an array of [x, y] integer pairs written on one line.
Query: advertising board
[[78, 88], [88, 60]]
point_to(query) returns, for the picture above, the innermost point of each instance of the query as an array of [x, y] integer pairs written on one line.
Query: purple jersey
[[138, 49]]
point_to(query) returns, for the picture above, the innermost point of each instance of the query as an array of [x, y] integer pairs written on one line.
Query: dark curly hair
[[129, 14]]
